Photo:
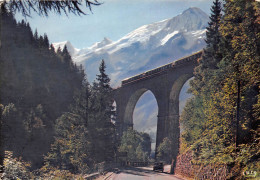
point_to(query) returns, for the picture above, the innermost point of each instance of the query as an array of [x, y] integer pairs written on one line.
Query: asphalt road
[[138, 173]]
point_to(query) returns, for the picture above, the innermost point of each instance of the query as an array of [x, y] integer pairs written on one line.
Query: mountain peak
[[195, 11], [191, 19], [107, 40], [69, 46], [101, 44]]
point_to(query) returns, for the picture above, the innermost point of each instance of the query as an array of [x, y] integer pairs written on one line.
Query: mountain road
[[141, 173]]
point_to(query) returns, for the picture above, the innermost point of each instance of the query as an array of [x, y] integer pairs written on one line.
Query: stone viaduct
[[165, 82]]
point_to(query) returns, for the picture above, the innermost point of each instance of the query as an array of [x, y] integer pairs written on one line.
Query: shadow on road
[[139, 171]]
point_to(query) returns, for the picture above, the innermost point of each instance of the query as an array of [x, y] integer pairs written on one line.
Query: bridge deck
[[162, 69]]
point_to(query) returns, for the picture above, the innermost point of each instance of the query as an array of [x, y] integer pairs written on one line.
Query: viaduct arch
[[165, 82]]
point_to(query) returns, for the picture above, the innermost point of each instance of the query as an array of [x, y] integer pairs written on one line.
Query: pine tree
[[66, 57], [241, 31], [209, 130], [102, 129], [25, 7], [232, 91], [205, 82], [194, 116], [212, 53], [59, 51], [226, 89], [35, 35], [32, 77], [46, 41], [71, 149]]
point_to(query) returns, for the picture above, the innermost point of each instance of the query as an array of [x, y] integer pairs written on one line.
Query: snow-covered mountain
[[72, 50], [145, 48]]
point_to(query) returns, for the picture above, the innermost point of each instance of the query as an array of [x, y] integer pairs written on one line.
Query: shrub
[[15, 168]]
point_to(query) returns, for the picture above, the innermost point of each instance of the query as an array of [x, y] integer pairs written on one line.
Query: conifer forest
[[55, 124]]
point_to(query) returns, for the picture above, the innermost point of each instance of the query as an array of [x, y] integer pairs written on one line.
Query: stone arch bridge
[[165, 82]]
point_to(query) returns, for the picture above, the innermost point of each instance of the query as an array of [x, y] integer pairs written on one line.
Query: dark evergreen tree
[[46, 41], [35, 35], [59, 51], [100, 124], [39, 84], [204, 74], [66, 57], [228, 89], [42, 8], [240, 30], [195, 118], [71, 148]]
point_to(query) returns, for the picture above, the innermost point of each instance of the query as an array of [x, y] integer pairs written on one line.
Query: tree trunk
[[1, 137], [237, 113], [1, 144], [172, 166]]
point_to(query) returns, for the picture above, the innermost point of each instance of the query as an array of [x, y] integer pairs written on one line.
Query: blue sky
[[113, 19]]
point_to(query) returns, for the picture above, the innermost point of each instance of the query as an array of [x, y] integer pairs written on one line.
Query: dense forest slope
[[37, 86], [221, 121]]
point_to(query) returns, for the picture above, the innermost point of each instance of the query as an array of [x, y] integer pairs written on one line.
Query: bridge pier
[[168, 126], [165, 83], [161, 131]]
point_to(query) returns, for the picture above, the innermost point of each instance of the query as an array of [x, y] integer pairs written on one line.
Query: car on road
[[158, 166]]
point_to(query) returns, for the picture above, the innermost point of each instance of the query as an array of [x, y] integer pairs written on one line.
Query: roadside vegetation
[[221, 121], [55, 124], [51, 117], [137, 145]]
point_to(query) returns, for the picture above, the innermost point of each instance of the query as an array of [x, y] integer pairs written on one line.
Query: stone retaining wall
[[184, 167]]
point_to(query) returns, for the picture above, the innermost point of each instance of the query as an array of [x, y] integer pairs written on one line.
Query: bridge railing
[[105, 166], [137, 164], [161, 69]]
